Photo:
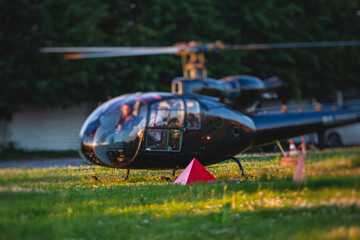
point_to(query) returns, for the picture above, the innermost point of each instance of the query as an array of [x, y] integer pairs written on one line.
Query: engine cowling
[[240, 91]]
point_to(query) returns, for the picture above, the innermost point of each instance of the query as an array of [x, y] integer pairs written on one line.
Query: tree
[[29, 77]]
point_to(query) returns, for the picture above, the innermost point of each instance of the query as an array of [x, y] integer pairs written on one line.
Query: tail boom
[[279, 126]]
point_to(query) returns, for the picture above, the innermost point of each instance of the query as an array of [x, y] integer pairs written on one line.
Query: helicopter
[[203, 118]]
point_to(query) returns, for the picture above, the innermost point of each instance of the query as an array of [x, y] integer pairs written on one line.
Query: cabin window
[[164, 139], [165, 126], [157, 139], [167, 113], [192, 114]]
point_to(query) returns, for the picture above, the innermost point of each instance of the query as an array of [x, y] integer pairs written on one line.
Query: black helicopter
[[211, 120]]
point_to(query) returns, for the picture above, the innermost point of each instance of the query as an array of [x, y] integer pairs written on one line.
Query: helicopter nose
[[117, 156], [111, 134], [86, 149], [110, 155]]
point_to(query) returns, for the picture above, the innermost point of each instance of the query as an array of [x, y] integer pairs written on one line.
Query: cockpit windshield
[[115, 129]]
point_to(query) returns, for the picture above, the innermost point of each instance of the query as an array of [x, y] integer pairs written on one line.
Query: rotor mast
[[193, 62], [193, 57], [193, 65]]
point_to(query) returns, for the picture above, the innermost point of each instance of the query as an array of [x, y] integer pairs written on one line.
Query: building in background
[[35, 128]]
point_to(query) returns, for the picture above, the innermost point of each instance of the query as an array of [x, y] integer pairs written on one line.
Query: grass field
[[67, 203]]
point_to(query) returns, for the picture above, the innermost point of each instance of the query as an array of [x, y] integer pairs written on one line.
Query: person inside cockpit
[[125, 138], [127, 119], [162, 115]]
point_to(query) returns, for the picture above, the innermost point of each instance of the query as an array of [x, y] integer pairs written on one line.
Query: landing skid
[[239, 164], [127, 175]]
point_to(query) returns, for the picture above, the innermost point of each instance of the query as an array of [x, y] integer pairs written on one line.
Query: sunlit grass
[[67, 203]]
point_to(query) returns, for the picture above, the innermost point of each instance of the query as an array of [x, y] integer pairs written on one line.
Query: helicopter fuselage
[[166, 131], [191, 127]]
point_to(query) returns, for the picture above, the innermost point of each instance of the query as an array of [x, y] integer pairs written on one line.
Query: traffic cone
[[292, 149], [194, 172], [289, 159]]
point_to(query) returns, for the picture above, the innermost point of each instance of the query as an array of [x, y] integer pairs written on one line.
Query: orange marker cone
[[292, 149], [289, 159], [194, 172]]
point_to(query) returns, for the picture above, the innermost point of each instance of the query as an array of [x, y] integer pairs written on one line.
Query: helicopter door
[[165, 126]]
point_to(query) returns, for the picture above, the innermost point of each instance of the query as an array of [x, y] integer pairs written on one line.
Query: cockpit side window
[[157, 139], [192, 114], [167, 113], [165, 125]]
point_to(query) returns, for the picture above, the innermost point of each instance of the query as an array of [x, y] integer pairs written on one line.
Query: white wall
[[35, 128]]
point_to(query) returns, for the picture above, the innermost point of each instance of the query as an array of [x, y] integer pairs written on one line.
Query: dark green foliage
[[31, 77]]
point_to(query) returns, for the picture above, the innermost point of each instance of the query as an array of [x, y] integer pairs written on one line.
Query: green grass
[[66, 203]]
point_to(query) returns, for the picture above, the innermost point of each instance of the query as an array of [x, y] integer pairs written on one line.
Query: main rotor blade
[[183, 48], [291, 45], [103, 49], [100, 52]]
